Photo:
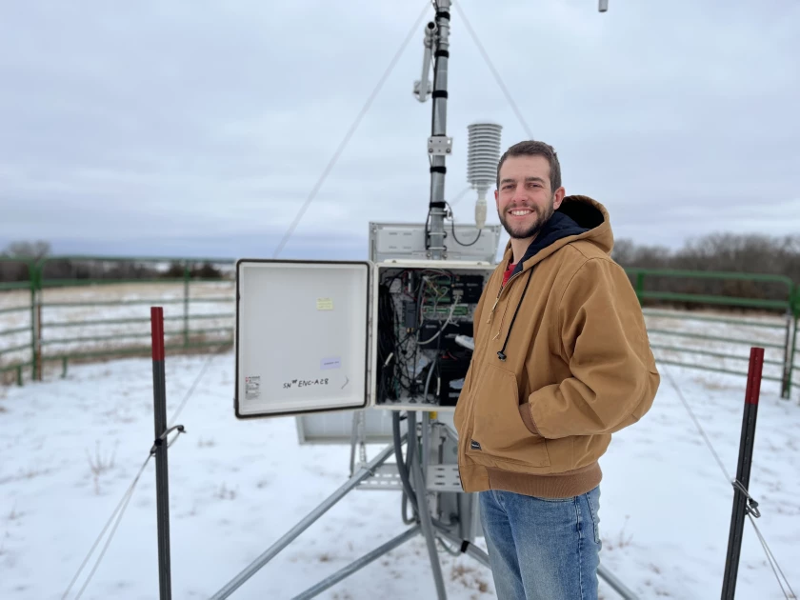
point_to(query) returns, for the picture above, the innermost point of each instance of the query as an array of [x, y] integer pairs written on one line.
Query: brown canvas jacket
[[577, 366]]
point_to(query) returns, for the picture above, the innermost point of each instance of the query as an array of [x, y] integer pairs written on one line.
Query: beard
[[522, 232]]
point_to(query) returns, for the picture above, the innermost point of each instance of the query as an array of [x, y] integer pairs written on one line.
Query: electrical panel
[[323, 336], [424, 320]]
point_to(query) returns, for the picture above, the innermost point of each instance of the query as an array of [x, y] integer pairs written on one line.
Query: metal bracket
[[440, 145], [443, 478], [418, 92], [384, 477]]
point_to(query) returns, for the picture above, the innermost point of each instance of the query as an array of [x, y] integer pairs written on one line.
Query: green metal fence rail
[[774, 295], [8, 350], [794, 367]]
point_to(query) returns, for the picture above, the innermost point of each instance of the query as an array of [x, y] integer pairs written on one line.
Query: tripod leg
[[471, 549], [615, 583], [422, 509], [315, 514], [358, 564]]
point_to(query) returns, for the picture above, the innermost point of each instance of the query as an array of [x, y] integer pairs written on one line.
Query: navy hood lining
[[560, 225], [582, 212]]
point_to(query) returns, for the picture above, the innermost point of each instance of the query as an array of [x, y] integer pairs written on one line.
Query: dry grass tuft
[[100, 464]]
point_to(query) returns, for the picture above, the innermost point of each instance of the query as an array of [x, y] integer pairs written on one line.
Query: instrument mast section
[[439, 145]]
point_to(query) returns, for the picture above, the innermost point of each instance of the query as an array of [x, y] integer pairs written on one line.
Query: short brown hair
[[534, 148]]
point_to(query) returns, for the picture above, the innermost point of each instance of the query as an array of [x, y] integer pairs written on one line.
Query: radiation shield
[[302, 336]]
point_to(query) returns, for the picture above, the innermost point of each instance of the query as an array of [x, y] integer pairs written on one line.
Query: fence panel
[[709, 320], [794, 357], [78, 323], [17, 317]]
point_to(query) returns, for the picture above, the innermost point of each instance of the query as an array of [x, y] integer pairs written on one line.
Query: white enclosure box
[[322, 336], [337, 427], [302, 336]]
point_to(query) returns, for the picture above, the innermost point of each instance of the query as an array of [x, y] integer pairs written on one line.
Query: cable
[[403, 466], [453, 227], [189, 393], [447, 548], [403, 508], [446, 323], [349, 134], [697, 424], [431, 369], [119, 511], [773, 562], [123, 503], [770, 556], [402, 469], [493, 70], [460, 243]]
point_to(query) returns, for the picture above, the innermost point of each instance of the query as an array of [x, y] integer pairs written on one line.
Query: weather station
[[376, 351]]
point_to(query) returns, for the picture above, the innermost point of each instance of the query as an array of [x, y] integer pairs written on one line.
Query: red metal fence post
[[741, 497], [160, 450]]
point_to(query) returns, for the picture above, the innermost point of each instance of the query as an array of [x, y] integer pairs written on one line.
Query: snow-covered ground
[[70, 449]]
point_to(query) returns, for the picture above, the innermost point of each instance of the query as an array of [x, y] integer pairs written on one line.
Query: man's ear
[[497, 200], [558, 197]]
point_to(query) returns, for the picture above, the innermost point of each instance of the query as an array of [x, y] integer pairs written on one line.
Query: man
[[561, 361]]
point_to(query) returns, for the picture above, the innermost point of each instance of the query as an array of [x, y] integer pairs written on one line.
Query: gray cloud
[[182, 125]]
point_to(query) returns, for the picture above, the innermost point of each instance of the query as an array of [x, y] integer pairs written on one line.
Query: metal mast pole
[[439, 146]]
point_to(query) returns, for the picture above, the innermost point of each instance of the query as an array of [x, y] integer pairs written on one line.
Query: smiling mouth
[[522, 212]]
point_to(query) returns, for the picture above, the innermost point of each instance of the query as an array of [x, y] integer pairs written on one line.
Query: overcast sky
[[199, 128]]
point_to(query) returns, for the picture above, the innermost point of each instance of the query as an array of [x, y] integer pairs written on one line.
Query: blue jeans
[[541, 548]]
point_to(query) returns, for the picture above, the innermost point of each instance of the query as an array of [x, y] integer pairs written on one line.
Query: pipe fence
[[64, 309], [84, 308]]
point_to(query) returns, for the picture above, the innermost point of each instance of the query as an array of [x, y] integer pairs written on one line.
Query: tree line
[[726, 252], [13, 270], [737, 253]]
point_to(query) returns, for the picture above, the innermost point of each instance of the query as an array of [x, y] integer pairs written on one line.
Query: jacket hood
[[593, 216], [578, 218]]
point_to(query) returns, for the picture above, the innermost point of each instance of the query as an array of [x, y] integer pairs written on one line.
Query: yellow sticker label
[[324, 303]]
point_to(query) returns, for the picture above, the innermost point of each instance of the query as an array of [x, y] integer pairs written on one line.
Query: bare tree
[[35, 250]]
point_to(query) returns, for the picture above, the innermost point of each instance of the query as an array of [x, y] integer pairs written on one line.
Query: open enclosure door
[[301, 336]]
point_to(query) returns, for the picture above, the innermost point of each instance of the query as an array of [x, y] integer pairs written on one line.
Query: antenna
[[483, 154]]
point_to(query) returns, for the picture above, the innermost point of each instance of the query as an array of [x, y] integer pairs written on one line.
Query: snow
[[238, 486]]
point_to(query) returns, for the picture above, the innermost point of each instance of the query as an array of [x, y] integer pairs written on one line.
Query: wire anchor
[[751, 508], [159, 441]]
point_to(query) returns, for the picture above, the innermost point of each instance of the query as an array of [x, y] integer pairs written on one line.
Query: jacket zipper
[[500, 293]]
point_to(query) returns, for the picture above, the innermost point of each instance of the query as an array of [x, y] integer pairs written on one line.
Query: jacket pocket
[[498, 432], [463, 399]]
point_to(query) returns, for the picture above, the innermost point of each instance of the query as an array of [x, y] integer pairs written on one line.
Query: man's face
[[525, 201]]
